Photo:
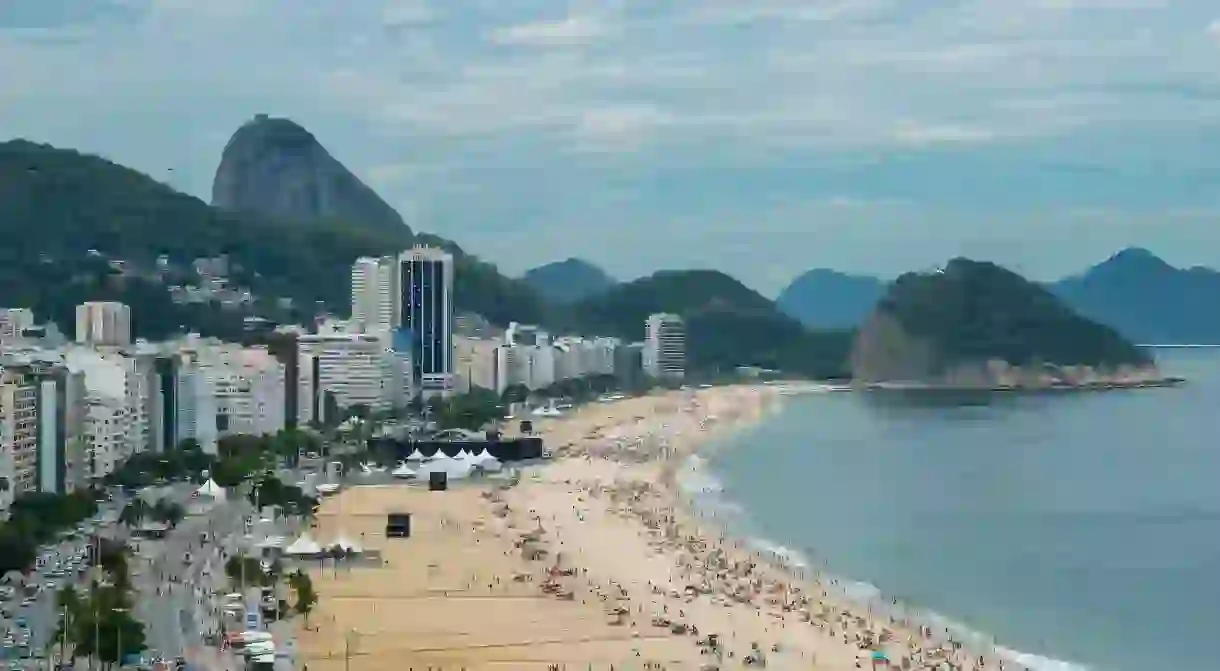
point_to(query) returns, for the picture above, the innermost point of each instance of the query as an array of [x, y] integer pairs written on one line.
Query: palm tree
[[134, 512]]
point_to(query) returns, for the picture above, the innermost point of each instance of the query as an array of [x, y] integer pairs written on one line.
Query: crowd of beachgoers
[[595, 558]]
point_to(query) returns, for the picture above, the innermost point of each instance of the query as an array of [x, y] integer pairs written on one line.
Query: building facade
[[357, 368], [425, 310], [374, 294], [14, 322], [103, 323], [18, 432], [664, 355]]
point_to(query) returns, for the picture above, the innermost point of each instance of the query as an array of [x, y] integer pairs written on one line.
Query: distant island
[[976, 325]]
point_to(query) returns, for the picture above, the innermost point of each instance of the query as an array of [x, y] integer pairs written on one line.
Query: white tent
[[462, 455], [305, 545], [343, 542], [403, 471], [271, 542], [416, 455], [212, 490], [489, 464]]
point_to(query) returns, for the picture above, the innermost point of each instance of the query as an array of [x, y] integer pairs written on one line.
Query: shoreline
[[858, 623], [595, 559]]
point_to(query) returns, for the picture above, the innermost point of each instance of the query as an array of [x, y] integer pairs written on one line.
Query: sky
[[761, 137]]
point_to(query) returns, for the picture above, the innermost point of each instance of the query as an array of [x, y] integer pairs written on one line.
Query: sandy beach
[[590, 561]]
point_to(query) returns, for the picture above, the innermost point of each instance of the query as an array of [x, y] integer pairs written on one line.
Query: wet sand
[[590, 561]]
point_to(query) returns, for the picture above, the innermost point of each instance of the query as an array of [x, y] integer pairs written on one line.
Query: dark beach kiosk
[[398, 525], [438, 481]]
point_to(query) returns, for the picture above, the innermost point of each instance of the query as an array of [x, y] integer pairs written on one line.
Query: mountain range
[[1135, 292], [290, 218]]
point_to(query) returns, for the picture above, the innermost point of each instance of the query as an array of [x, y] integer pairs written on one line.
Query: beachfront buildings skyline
[[664, 354]]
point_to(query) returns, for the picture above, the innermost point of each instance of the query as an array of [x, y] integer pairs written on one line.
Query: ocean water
[[1074, 530]]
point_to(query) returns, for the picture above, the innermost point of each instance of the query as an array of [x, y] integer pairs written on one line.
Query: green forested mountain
[[568, 281], [57, 205], [727, 323], [972, 311]]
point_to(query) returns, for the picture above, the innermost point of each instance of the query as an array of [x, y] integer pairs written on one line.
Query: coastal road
[[178, 576], [182, 577], [41, 616]]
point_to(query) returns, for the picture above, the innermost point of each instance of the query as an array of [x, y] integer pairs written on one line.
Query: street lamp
[[119, 637], [347, 649]]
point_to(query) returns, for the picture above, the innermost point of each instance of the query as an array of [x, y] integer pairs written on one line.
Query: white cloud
[[923, 135], [407, 13], [628, 94], [569, 31]]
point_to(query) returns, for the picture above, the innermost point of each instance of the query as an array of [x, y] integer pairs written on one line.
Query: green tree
[[239, 568], [134, 513], [515, 393], [104, 619], [17, 550], [306, 597], [168, 512]]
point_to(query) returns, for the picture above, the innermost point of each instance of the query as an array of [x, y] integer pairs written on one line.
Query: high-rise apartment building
[[357, 368], [425, 310], [374, 294], [13, 322], [104, 323], [665, 346], [60, 462], [18, 433]]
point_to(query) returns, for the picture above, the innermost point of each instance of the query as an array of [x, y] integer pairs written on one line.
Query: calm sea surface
[[1078, 527]]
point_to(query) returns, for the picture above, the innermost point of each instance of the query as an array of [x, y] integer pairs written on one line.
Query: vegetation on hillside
[[976, 311], [727, 324], [59, 204], [568, 281]]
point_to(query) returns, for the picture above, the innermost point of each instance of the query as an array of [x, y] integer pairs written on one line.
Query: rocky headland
[[976, 325]]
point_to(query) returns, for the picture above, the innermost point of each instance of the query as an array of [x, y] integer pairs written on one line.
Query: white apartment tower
[[425, 311], [374, 294], [105, 323], [357, 368], [13, 321], [665, 346]]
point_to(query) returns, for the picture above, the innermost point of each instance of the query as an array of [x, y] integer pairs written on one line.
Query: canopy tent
[[416, 455], [489, 464], [403, 471], [342, 541], [462, 455], [305, 545], [211, 489], [482, 454], [271, 542]]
